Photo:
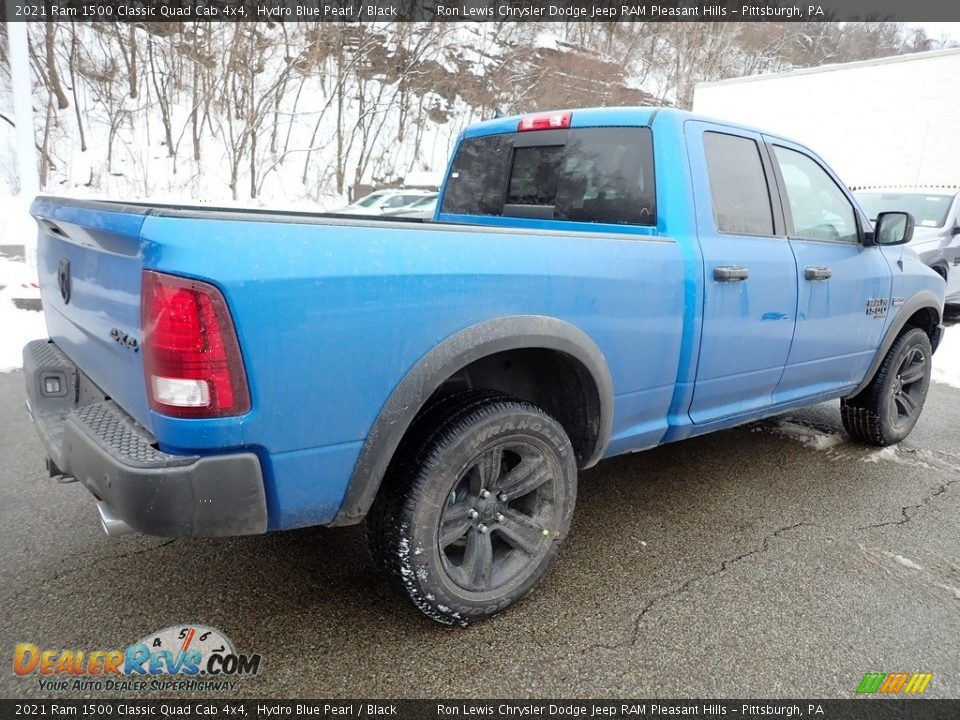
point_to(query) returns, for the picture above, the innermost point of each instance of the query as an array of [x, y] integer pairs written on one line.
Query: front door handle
[[730, 273], [817, 273]]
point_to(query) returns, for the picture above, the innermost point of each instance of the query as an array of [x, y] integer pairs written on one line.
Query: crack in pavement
[[100, 560], [905, 511], [118, 556], [683, 587]]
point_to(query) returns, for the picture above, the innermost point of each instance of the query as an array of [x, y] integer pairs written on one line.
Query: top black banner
[[139, 11]]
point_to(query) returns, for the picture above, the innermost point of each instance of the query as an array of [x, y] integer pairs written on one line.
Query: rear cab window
[[738, 185], [599, 175]]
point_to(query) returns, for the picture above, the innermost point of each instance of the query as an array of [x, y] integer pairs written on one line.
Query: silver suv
[[936, 238]]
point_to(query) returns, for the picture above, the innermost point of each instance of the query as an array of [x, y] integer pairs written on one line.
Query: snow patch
[[546, 40], [946, 361], [14, 274], [19, 228], [887, 454], [901, 560], [950, 588], [17, 328], [809, 436]]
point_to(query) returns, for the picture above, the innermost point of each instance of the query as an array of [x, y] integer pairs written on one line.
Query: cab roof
[[630, 116]]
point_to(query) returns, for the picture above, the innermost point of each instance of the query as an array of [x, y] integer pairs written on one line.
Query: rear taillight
[[545, 121], [191, 356]]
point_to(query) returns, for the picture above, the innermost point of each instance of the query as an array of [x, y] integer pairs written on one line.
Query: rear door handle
[[730, 273], [817, 273]]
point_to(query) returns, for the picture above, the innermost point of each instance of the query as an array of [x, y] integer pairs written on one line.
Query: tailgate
[[90, 261]]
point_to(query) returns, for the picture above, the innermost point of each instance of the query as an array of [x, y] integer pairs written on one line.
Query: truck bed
[[332, 311]]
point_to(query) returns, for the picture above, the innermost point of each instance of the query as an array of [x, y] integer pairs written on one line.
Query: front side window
[[738, 185], [819, 208], [602, 175]]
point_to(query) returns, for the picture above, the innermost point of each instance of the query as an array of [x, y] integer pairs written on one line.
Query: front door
[[750, 278], [844, 286]]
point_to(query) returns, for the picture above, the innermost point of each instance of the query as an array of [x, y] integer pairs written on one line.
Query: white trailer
[[886, 122]]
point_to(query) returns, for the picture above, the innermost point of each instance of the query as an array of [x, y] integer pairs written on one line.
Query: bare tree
[[53, 74]]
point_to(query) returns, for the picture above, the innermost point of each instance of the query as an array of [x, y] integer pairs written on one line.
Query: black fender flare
[[925, 299], [445, 359]]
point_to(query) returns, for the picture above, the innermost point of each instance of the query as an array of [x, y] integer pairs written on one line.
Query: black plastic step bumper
[[95, 441]]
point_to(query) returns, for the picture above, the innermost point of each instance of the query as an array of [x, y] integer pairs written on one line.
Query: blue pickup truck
[[594, 282]]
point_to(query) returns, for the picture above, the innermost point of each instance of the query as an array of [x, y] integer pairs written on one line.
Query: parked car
[[383, 201], [936, 237], [422, 209], [227, 372]]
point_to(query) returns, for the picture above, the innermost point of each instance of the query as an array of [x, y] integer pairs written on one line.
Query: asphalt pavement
[[779, 559]]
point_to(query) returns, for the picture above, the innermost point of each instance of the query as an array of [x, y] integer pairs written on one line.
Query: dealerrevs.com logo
[[179, 657]]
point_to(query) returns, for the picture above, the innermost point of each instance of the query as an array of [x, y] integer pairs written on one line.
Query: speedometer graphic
[[179, 640]]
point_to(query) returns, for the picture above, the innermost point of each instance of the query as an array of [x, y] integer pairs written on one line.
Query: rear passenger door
[[844, 286], [750, 277]]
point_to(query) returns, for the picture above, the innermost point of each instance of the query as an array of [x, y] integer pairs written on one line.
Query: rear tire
[[472, 512], [886, 410]]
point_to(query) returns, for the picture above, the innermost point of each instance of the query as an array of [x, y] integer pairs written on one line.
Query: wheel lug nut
[[502, 497], [484, 494], [499, 517], [482, 529], [473, 514]]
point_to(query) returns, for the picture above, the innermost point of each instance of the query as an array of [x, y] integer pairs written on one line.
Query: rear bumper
[[92, 439]]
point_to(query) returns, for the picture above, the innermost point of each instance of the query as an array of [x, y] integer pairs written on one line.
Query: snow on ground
[[16, 225], [15, 276], [810, 436], [17, 328], [946, 361], [887, 454], [17, 281], [901, 560]]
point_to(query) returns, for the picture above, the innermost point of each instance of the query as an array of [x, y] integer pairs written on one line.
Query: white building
[[890, 121]]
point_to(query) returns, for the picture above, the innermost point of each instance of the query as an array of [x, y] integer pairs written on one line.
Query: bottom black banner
[[852, 709]]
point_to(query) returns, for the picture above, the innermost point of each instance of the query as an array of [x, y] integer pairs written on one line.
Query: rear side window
[[602, 175], [738, 185]]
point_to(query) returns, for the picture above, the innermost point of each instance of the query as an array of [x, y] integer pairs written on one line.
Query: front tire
[[886, 410], [472, 513]]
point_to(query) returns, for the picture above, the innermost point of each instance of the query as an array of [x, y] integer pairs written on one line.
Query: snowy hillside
[[295, 114]]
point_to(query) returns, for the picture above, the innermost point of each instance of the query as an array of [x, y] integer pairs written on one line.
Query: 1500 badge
[[877, 307], [122, 338]]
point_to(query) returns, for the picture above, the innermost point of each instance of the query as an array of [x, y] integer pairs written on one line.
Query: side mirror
[[956, 230], [893, 228]]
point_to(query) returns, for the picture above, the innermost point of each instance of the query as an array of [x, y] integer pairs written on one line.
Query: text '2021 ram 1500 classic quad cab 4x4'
[[594, 282]]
